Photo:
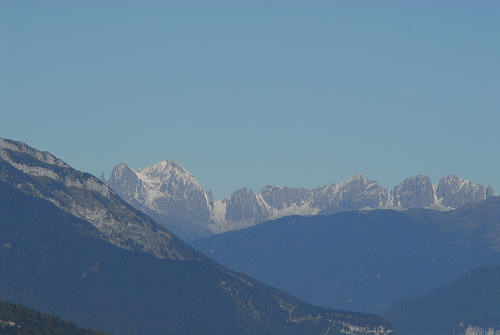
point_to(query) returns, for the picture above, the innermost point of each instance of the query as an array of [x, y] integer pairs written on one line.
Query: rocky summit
[[170, 194]]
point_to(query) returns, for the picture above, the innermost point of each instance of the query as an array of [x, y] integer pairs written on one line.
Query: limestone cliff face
[[358, 192], [456, 192], [414, 192], [174, 197], [86, 197]]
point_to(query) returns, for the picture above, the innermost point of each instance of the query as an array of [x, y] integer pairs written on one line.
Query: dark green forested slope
[[20, 320]]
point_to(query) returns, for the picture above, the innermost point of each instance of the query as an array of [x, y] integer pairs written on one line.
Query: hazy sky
[[249, 93]]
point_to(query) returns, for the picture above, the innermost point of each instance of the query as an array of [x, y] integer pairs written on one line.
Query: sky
[[250, 93]]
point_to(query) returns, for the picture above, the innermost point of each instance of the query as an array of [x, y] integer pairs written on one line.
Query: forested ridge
[[20, 320]]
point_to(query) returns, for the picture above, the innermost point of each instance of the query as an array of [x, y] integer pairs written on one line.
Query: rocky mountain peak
[[420, 179], [357, 178], [126, 183], [122, 170], [163, 168], [456, 192], [168, 176], [167, 189], [269, 188], [360, 183], [414, 192], [452, 179], [490, 192]]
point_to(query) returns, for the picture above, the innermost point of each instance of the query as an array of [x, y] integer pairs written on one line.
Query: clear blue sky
[[248, 93]]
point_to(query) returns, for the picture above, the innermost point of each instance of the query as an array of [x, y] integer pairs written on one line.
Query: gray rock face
[[414, 192], [127, 184], [282, 197], [42, 175], [456, 192], [358, 192], [167, 192], [490, 192], [242, 206], [170, 194], [180, 193]]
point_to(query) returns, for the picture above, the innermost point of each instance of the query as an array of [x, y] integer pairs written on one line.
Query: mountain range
[[363, 260], [172, 196], [71, 247]]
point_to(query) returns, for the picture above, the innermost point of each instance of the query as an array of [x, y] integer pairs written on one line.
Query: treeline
[[20, 320]]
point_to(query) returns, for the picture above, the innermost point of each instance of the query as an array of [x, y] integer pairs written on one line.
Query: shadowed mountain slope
[[364, 260], [69, 246], [471, 302]]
